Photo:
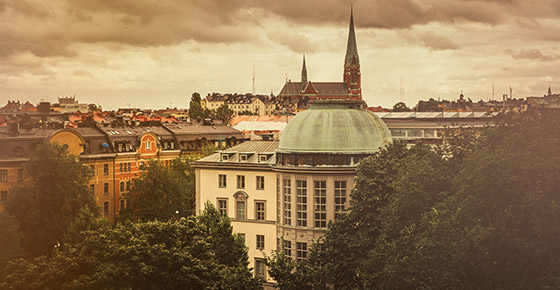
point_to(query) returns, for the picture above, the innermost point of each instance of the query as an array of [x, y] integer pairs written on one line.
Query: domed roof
[[334, 127]]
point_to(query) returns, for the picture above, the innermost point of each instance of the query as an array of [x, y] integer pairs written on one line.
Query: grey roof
[[334, 127], [251, 148]]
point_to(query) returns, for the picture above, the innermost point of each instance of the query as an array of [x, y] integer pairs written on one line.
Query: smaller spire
[[303, 71], [549, 91]]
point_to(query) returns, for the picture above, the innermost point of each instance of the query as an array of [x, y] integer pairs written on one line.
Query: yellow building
[[308, 177]]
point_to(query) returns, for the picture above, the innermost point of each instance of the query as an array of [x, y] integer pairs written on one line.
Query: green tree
[[401, 107], [162, 192], [178, 254], [9, 239], [195, 106], [224, 113], [475, 213], [94, 107], [58, 191]]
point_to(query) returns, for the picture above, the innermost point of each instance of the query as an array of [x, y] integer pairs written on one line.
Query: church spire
[[352, 75], [303, 72], [549, 90], [352, 58]]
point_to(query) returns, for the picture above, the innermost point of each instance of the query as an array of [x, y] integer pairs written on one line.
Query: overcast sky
[[156, 53]]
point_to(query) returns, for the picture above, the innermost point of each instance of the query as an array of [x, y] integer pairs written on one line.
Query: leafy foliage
[[162, 192], [9, 239], [59, 190], [480, 212], [180, 254]]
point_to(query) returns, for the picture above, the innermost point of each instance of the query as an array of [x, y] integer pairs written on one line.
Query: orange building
[[115, 153]]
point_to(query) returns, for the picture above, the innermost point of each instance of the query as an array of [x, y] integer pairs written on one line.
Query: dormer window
[[243, 157], [263, 158], [225, 157]]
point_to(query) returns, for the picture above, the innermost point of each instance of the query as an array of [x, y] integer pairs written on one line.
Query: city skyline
[[156, 54]]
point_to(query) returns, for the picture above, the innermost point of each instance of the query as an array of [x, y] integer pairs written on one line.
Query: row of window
[[123, 204], [241, 208], [244, 157], [222, 181], [4, 175], [320, 202], [301, 250]]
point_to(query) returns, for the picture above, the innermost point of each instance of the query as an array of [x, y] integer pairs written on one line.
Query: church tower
[[303, 72], [352, 76]]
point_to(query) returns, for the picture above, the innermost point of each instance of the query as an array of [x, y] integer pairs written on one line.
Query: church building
[[298, 93]]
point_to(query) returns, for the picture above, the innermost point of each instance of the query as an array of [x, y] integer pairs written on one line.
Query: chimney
[[13, 128]]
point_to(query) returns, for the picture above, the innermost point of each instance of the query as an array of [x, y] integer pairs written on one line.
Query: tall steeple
[[352, 75], [303, 72], [352, 58]]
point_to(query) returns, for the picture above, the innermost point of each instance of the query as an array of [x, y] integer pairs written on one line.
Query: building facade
[[303, 181], [114, 153]]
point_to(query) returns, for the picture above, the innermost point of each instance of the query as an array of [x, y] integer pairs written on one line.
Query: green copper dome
[[334, 127]]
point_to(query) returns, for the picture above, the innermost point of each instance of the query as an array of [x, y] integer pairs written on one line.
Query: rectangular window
[[240, 181], [92, 167], [260, 210], [243, 157], [260, 242], [287, 202], [339, 198], [260, 182], [106, 188], [222, 206], [301, 251], [20, 175], [288, 248], [301, 187], [106, 208], [148, 145], [4, 175], [123, 204], [106, 169], [260, 268], [263, 158], [222, 181], [3, 196], [122, 186], [241, 209], [320, 204], [92, 188], [129, 166], [120, 167], [128, 185]]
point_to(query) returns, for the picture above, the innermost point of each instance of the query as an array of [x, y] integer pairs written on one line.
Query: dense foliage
[[58, 191], [9, 239], [162, 192], [189, 253], [480, 212]]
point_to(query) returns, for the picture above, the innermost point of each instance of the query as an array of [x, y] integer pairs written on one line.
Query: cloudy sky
[[156, 53]]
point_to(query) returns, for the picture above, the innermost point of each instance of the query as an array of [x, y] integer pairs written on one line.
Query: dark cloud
[[534, 54], [51, 28]]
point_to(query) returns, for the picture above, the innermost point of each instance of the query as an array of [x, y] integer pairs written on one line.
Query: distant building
[[549, 101], [295, 95], [242, 104], [70, 105]]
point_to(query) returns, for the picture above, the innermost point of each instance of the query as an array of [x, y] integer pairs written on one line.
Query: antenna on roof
[[253, 79], [492, 91]]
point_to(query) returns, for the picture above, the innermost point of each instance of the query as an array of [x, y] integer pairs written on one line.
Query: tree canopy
[[162, 192], [476, 213], [58, 191], [188, 253]]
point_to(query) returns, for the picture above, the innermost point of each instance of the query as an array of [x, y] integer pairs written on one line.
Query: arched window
[[240, 204]]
